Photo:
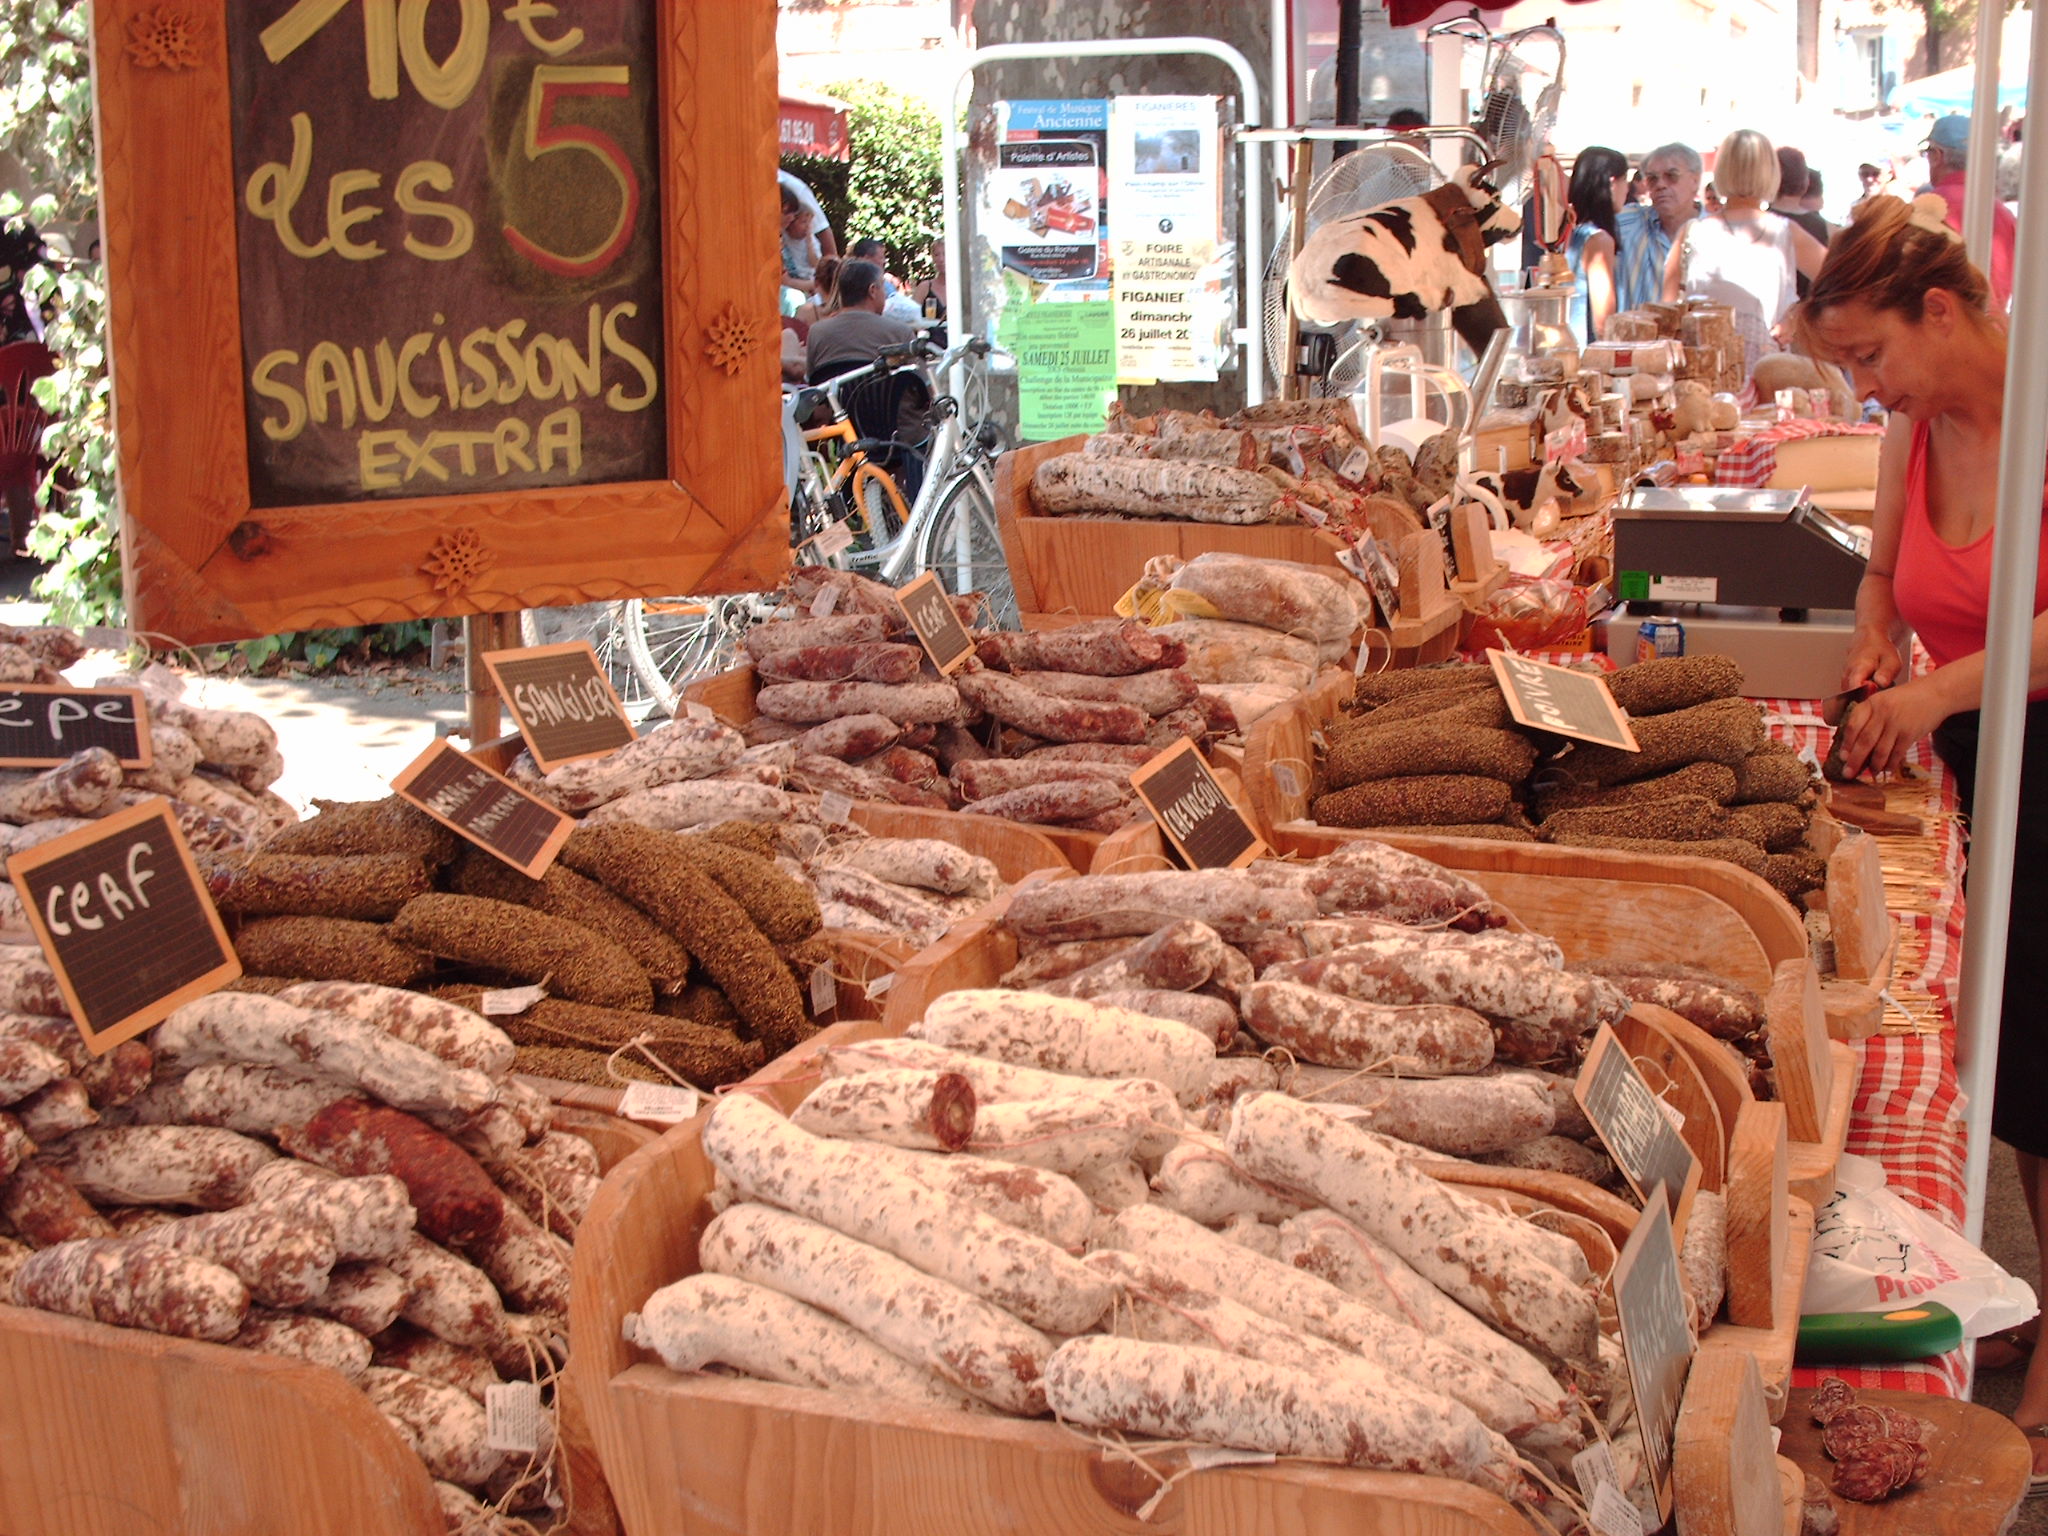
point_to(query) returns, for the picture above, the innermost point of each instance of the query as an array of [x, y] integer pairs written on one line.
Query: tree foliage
[[894, 179], [46, 121]]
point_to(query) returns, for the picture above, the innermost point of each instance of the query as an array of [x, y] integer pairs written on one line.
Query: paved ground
[[344, 737]]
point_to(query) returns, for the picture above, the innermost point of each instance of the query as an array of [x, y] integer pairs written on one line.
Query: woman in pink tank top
[[1900, 307]]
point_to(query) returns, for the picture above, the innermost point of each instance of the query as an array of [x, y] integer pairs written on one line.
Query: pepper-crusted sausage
[[646, 868], [576, 962], [327, 949], [1418, 800], [365, 886]]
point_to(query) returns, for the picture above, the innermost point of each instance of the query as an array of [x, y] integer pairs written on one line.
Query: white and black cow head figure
[[1405, 259]]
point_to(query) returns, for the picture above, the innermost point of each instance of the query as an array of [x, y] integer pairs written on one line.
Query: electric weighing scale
[[1765, 577]]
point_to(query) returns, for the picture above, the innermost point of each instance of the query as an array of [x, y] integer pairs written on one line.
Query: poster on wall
[[1044, 206], [1171, 285], [1066, 366]]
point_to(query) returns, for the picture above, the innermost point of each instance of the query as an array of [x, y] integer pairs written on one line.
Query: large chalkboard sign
[[431, 308], [505, 169]]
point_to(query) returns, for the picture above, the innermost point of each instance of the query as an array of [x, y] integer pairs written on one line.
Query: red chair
[[22, 420]]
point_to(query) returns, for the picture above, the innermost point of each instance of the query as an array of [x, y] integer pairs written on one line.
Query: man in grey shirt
[[850, 337]]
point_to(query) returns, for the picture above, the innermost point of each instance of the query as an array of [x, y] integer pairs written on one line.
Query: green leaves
[[894, 178], [46, 122]]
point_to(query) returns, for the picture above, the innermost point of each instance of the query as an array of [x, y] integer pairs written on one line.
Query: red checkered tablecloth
[[1905, 1113], [1751, 461]]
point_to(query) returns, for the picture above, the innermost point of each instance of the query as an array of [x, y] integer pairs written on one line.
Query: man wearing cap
[[1948, 155]]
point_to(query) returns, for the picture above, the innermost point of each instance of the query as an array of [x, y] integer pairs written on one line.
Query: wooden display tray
[[1976, 1475], [1082, 565], [225, 1441], [690, 1456], [1013, 845], [730, 696], [1619, 906]]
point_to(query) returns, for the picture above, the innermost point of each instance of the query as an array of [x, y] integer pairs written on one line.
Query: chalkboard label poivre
[[485, 807], [930, 614], [45, 723], [561, 700], [123, 914], [1562, 701], [1195, 814], [1656, 1339], [1648, 1149]]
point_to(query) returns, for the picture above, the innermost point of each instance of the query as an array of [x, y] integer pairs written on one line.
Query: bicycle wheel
[[673, 641], [603, 625], [961, 543], [881, 504]]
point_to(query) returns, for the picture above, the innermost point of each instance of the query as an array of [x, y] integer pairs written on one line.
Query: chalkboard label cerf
[[1641, 1139], [929, 612], [564, 705], [1199, 819], [487, 808], [1557, 699], [1649, 1300], [123, 914], [44, 723]]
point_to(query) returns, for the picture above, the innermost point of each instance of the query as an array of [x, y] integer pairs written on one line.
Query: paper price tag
[[881, 984], [1672, 1113], [1285, 779], [1357, 466], [658, 1101], [833, 539], [696, 709], [1594, 1468], [506, 1001], [823, 604], [1612, 1514], [836, 808], [824, 989], [512, 1417]]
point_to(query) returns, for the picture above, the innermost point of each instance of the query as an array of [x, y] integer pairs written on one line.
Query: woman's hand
[[1881, 730], [1873, 658]]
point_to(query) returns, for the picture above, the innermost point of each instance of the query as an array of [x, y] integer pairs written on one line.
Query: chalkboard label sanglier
[[561, 700]]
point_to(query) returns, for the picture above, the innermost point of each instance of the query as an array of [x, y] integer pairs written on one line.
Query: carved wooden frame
[[200, 565]]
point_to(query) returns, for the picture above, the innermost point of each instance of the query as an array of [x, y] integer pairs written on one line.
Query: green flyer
[[1066, 366]]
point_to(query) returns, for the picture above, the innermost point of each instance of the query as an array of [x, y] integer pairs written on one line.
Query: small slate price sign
[[1640, 1137], [561, 701], [487, 808], [124, 916], [930, 614], [1650, 1303], [1199, 819], [44, 723], [1557, 699]]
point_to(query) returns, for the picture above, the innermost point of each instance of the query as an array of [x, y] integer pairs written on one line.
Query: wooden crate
[[700, 1455], [121, 1432], [1706, 907], [730, 696]]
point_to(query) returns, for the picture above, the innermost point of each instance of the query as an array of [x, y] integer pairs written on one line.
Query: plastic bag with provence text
[[1873, 1250]]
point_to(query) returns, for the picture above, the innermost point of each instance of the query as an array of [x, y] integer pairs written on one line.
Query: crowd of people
[[1749, 235]]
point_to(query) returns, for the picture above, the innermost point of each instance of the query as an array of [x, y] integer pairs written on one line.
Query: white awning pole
[[1251, 255], [1980, 186], [2015, 560]]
